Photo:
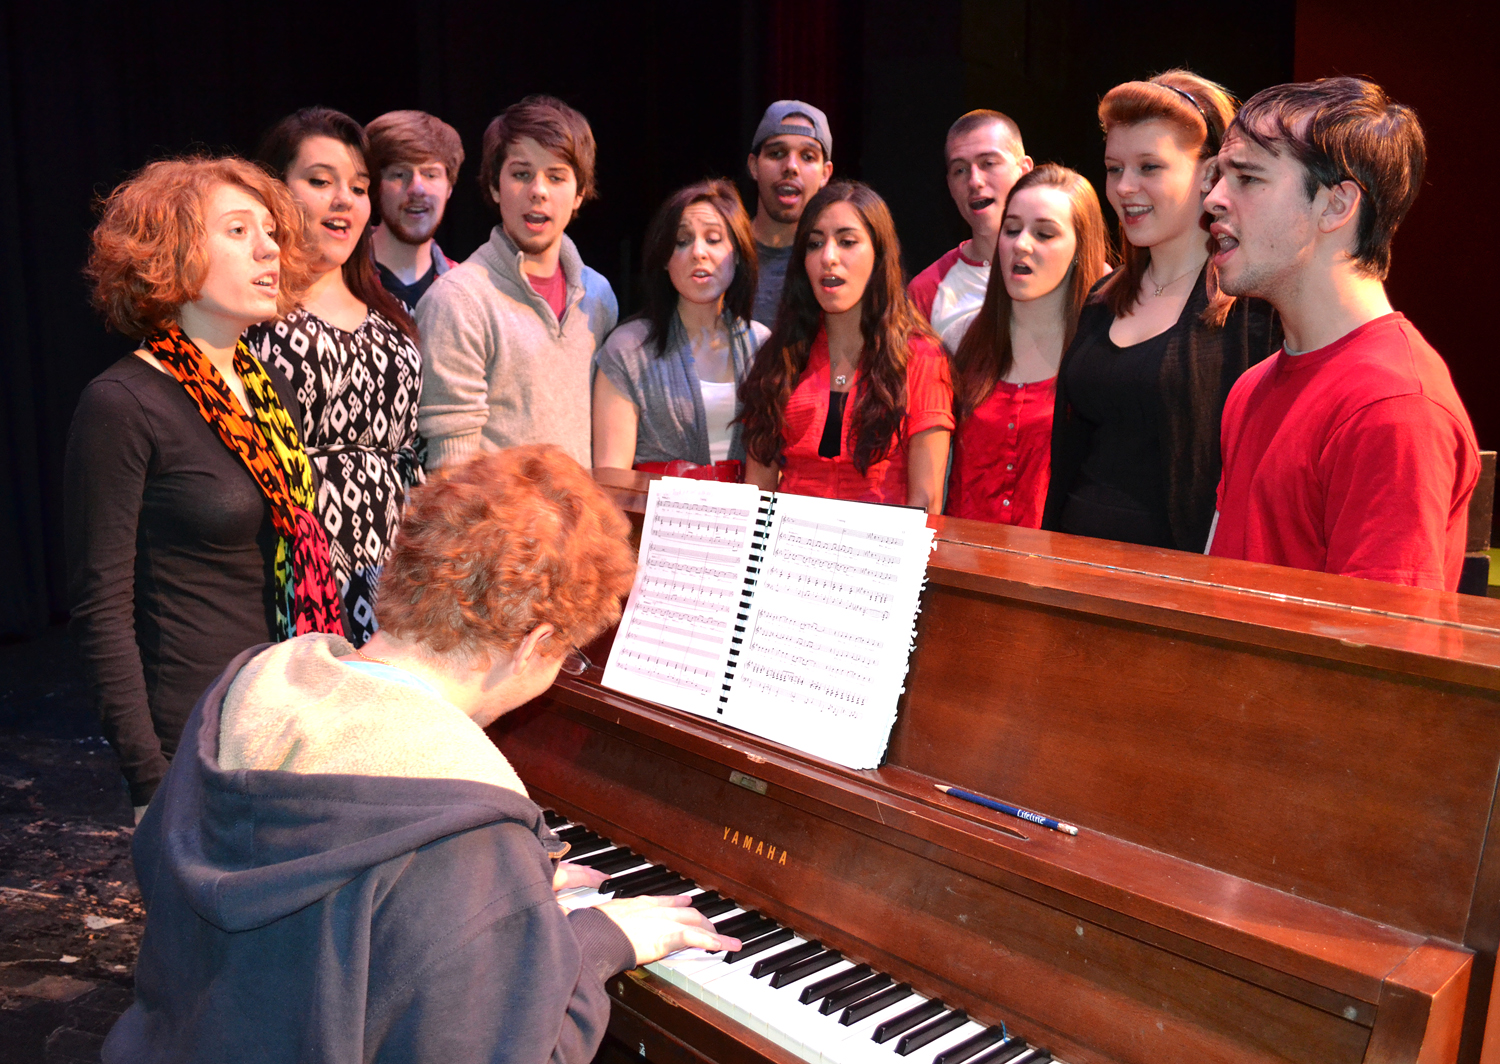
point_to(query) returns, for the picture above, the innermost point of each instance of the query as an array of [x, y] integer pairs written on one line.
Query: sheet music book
[[786, 616]]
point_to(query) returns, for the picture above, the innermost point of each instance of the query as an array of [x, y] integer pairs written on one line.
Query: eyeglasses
[[576, 663]]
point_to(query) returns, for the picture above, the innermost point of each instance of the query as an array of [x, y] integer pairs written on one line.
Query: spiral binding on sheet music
[[761, 543]]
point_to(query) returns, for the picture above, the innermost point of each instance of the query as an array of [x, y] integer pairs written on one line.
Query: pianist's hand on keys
[[809, 999], [659, 926]]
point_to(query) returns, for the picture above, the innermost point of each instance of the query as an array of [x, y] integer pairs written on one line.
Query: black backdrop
[[673, 88]]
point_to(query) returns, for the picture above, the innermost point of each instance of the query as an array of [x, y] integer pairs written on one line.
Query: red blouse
[[1002, 456], [929, 405]]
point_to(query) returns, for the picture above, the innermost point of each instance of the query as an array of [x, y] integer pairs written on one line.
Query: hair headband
[[1196, 105]]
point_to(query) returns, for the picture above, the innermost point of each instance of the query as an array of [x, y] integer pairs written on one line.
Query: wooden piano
[[1284, 784]]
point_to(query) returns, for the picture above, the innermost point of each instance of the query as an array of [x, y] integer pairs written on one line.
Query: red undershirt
[[553, 289]]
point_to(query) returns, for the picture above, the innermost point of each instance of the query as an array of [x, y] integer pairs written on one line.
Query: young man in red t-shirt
[[984, 158], [1349, 451]]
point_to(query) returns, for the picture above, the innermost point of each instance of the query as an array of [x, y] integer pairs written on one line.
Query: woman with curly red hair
[[188, 493], [345, 834], [845, 329]]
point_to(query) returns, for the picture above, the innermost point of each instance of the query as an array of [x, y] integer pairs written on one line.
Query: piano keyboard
[[812, 1001]]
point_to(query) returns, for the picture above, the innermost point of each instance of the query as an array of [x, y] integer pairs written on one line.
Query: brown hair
[[984, 354], [1350, 131], [1200, 110], [888, 322], [982, 117], [149, 256], [661, 242], [498, 545], [552, 124], [279, 147], [413, 137]]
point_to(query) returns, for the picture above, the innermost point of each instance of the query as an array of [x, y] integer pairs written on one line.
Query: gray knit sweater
[[498, 368]]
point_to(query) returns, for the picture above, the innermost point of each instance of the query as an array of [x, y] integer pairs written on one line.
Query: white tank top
[[718, 410]]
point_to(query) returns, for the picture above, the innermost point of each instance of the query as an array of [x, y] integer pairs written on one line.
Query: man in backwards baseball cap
[[791, 158]]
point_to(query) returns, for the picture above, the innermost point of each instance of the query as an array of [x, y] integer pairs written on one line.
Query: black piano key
[[823, 987], [609, 861], [853, 993], [969, 1046], [574, 833], [1005, 1052], [1034, 1056], [594, 845], [735, 924], [907, 1020], [673, 884], [875, 1003], [771, 965], [929, 1032], [630, 879], [759, 945], [803, 969], [710, 904], [553, 820]]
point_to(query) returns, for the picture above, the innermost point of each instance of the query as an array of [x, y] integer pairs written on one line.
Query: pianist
[[340, 866]]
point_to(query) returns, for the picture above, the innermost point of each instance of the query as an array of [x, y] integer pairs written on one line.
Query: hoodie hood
[[248, 846]]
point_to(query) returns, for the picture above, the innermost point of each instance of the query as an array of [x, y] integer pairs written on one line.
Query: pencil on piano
[[1013, 810]]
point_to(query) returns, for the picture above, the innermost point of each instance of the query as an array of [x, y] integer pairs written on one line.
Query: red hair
[[149, 252], [505, 542], [1200, 111]]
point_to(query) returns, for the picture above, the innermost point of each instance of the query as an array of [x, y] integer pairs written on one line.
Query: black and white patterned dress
[[359, 392]]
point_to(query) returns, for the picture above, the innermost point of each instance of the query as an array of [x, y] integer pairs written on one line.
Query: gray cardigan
[[498, 368], [666, 390]]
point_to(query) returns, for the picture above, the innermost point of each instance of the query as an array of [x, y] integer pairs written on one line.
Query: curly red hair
[[149, 253], [501, 544]]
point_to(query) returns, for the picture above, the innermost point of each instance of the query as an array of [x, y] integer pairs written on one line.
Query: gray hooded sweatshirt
[[333, 911], [498, 367]]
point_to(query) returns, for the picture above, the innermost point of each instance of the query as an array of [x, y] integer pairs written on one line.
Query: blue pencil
[[1013, 810]]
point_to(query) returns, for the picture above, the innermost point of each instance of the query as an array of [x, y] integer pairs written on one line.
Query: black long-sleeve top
[[1198, 365], [170, 551]]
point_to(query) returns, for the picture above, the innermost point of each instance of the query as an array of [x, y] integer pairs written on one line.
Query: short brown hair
[[552, 124], [149, 256], [413, 137], [982, 117], [1346, 129], [505, 542]]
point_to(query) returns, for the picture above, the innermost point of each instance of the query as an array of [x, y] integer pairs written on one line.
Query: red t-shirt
[[1357, 459], [929, 405], [1002, 456], [553, 289]]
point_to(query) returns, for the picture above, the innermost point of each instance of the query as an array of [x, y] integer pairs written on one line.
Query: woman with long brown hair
[[1141, 390], [845, 329], [351, 350], [665, 394], [1051, 250]]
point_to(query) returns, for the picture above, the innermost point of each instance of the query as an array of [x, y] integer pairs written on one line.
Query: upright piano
[[1284, 784]]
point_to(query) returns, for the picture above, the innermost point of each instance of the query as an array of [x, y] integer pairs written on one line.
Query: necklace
[[1160, 288], [375, 661], [841, 380]]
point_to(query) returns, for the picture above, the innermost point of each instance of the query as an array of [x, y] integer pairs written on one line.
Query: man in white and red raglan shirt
[[1348, 451], [985, 157]]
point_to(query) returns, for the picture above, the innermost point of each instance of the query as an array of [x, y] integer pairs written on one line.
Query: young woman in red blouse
[[1052, 249], [850, 397]]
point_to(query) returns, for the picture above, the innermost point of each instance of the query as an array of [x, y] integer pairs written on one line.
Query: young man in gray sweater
[[508, 337]]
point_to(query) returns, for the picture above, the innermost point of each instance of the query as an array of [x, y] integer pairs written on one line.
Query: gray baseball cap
[[773, 122]]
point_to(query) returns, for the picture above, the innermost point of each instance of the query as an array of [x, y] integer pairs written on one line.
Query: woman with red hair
[[850, 397], [188, 493], [1135, 433]]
